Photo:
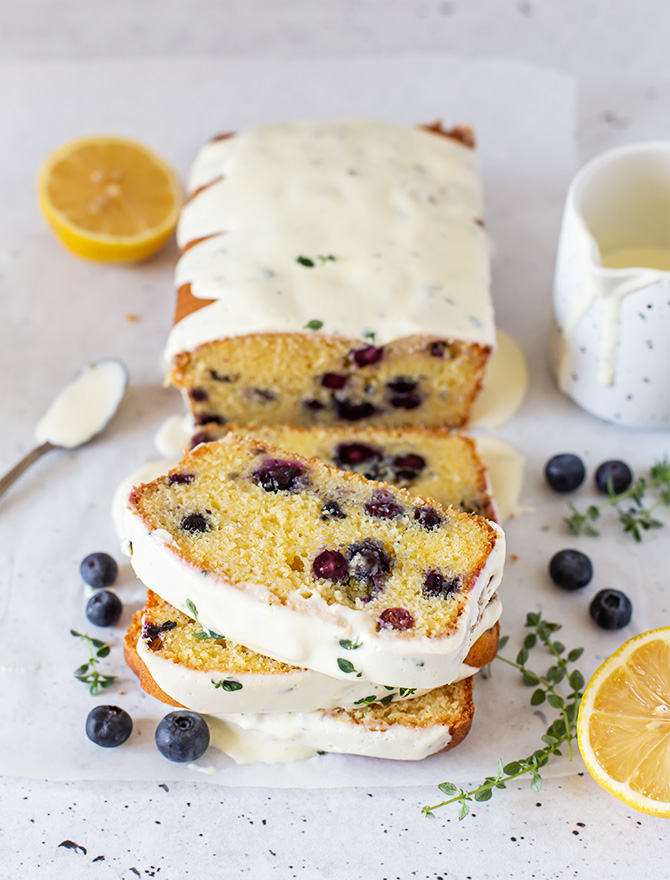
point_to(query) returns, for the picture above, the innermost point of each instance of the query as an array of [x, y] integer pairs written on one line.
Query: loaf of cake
[[314, 566], [333, 272], [409, 730], [431, 462], [180, 663]]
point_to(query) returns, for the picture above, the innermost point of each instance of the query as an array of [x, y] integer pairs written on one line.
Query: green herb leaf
[[229, 684], [348, 645], [635, 520], [347, 666], [193, 611], [562, 729], [314, 324], [305, 261], [88, 672]]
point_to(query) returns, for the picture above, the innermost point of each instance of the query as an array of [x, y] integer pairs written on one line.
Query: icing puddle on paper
[[504, 387]]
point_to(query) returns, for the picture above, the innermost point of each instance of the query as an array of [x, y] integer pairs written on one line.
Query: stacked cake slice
[[310, 606]]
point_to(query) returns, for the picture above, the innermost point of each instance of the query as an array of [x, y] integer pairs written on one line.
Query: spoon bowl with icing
[[81, 411], [612, 287]]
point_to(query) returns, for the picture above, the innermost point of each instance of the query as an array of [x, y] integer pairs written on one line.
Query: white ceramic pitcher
[[612, 287]]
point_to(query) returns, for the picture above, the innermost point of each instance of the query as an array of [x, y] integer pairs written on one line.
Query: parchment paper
[[59, 312]]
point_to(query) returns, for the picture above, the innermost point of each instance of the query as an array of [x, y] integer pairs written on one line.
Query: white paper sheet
[[59, 312]]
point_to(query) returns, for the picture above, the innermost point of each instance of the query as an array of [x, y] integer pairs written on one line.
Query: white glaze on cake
[[396, 207], [300, 690], [84, 406], [291, 736], [307, 631]]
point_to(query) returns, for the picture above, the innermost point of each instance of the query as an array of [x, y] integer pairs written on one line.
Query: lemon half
[[623, 727], [109, 199]]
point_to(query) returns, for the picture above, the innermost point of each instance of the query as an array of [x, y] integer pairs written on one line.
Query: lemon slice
[[623, 728], [109, 199]]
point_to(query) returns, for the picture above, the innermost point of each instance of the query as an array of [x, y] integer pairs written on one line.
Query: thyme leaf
[[204, 632], [561, 731], [635, 519], [88, 672], [347, 666], [228, 684]]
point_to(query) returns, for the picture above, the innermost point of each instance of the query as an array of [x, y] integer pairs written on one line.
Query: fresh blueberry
[[182, 736], [396, 618], [99, 570], [198, 395], [570, 569], [331, 565], [104, 608], [614, 473], [565, 472], [195, 522], [108, 726], [383, 505], [437, 584], [277, 475], [611, 609], [427, 517]]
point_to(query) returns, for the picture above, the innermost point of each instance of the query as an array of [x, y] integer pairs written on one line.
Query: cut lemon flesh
[[109, 199], [623, 728]]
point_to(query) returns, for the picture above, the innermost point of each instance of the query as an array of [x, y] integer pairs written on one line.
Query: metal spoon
[[81, 411]]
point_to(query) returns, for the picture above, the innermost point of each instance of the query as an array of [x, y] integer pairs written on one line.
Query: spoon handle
[[13, 475]]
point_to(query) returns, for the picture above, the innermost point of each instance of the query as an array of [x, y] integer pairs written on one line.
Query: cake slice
[[314, 566], [333, 272], [180, 663], [405, 731], [431, 462]]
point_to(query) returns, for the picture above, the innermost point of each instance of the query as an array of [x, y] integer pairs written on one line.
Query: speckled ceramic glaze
[[612, 346]]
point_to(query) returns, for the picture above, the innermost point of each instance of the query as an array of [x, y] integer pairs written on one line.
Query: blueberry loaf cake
[[333, 272], [431, 462], [409, 730], [183, 664], [315, 566]]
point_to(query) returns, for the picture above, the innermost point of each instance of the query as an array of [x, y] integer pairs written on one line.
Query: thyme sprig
[[562, 730], [204, 633], [88, 672], [635, 519]]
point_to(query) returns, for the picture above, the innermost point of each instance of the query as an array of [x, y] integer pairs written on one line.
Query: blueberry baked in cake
[[333, 273], [432, 462], [314, 566]]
